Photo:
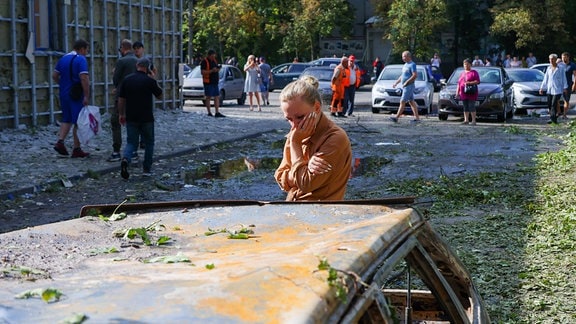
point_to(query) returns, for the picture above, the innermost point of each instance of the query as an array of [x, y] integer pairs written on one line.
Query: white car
[[231, 85], [386, 97], [526, 89]]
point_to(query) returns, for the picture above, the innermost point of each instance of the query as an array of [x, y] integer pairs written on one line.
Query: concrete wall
[[34, 34]]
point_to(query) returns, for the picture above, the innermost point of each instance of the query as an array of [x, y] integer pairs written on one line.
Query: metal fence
[[34, 34]]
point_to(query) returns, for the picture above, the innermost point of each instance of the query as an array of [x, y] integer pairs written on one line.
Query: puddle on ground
[[227, 169], [367, 166]]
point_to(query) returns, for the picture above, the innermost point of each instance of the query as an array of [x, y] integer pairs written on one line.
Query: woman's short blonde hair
[[306, 88]]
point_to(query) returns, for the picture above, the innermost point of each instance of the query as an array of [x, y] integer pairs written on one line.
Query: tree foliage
[[268, 27], [413, 25], [282, 29], [528, 23]]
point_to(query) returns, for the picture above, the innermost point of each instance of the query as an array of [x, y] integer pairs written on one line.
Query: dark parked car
[[186, 69], [526, 89], [324, 76], [329, 61], [494, 94], [286, 73], [312, 262]]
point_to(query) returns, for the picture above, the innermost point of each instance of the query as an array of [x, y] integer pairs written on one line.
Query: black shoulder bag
[[76, 91]]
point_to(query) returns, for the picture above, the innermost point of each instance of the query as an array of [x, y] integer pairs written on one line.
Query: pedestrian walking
[[554, 84], [407, 79], [71, 74], [136, 109], [339, 83], [354, 84], [266, 73], [125, 65], [570, 70]]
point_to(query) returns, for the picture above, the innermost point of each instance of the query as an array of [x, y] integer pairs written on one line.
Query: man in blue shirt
[[71, 73], [407, 78], [570, 70]]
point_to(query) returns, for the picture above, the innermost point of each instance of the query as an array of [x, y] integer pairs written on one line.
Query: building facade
[[367, 40], [36, 33]]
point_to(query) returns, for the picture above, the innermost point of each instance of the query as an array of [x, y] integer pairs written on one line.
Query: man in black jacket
[[136, 107], [124, 66]]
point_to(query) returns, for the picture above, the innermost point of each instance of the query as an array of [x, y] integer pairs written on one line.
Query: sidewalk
[[28, 162]]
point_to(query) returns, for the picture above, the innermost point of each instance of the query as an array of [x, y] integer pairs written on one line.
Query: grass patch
[[514, 230]]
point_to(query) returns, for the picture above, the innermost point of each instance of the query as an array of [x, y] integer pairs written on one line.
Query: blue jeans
[[135, 131], [349, 96]]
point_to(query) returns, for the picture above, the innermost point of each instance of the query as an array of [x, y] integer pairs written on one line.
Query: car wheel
[[501, 117], [242, 99], [375, 110], [509, 113], [222, 97], [443, 116], [521, 111]]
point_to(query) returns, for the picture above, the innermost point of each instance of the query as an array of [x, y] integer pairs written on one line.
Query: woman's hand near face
[[304, 128]]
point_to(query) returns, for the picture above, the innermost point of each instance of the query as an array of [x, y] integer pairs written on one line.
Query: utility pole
[[190, 32]]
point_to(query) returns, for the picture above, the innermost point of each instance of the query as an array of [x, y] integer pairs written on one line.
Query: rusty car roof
[[272, 277]]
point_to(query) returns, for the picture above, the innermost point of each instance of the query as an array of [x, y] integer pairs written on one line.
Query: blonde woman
[[317, 158], [252, 84]]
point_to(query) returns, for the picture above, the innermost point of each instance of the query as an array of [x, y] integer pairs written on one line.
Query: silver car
[[525, 89], [324, 76], [231, 85], [386, 97]]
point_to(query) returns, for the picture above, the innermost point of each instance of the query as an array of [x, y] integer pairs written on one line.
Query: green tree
[[414, 24], [312, 19], [533, 25], [276, 29], [470, 23]]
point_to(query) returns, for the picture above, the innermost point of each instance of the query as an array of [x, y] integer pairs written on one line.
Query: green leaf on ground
[[46, 294], [169, 259]]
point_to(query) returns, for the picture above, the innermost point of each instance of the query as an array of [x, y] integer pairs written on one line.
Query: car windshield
[[487, 75], [196, 73], [320, 74], [528, 75], [299, 67], [393, 73]]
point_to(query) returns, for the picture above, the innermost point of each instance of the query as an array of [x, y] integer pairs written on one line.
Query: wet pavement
[[29, 164]]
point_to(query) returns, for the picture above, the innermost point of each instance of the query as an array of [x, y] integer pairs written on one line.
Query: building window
[[48, 23]]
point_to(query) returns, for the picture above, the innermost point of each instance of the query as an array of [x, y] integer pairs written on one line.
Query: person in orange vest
[[354, 83], [210, 68], [339, 83]]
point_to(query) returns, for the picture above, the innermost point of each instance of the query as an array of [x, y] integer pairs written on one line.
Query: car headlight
[[381, 90], [419, 90], [497, 95], [445, 95]]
